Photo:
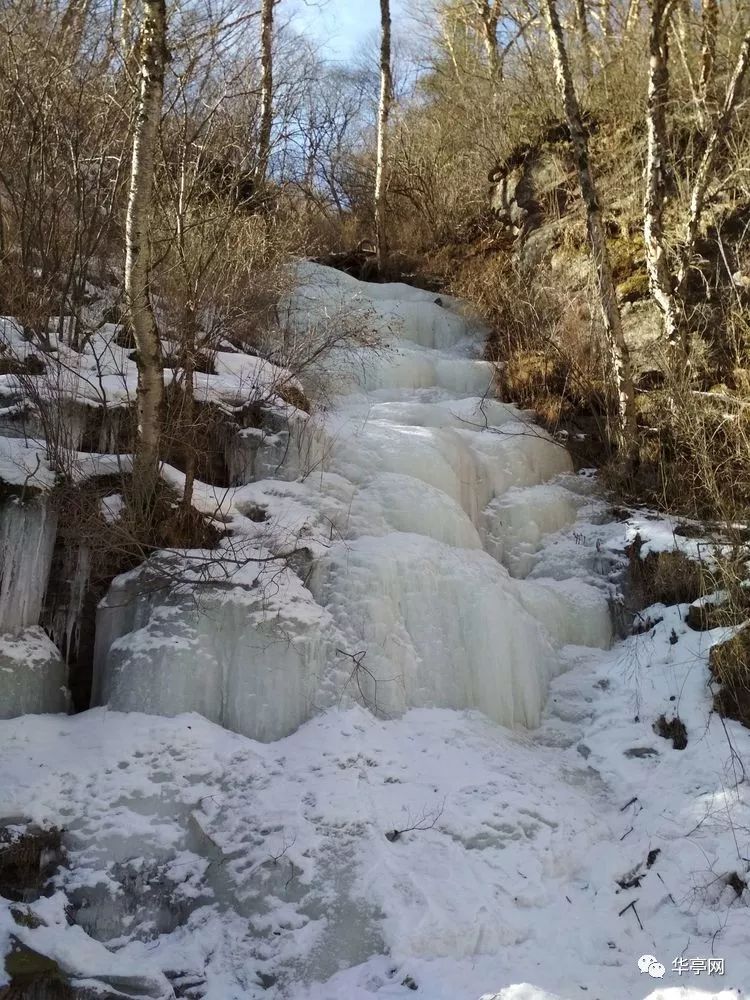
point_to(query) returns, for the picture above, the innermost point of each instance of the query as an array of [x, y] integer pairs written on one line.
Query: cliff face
[[534, 198], [535, 202]]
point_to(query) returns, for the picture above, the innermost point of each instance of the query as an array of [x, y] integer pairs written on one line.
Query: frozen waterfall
[[32, 672], [413, 508]]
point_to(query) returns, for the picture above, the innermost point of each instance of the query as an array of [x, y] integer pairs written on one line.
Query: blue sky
[[342, 26]]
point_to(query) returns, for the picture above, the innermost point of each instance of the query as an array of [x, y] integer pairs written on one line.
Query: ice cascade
[[413, 511]]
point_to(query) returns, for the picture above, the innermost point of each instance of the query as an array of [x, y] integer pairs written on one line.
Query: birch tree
[[585, 35], [125, 29], [72, 23], [661, 279], [489, 17], [667, 288], [632, 17], [618, 349], [152, 60], [266, 94], [384, 112], [709, 29]]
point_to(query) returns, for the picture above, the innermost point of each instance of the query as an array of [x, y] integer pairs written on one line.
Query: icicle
[[27, 540]]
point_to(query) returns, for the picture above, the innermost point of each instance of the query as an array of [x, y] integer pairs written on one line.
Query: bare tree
[[667, 288], [72, 22], [489, 17], [660, 274], [582, 22], [618, 350], [266, 98], [706, 167], [150, 400], [63, 152], [709, 28], [384, 112], [125, 28]]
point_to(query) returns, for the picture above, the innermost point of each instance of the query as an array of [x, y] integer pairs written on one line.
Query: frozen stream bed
[[441, 768]]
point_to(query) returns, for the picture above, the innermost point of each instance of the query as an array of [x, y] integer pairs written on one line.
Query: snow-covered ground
[[427, 848]]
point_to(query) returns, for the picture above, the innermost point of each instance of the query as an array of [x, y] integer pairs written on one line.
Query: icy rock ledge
[[32, 675], [27, 541]]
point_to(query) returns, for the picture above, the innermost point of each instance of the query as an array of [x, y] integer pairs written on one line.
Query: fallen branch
[[631, 906]]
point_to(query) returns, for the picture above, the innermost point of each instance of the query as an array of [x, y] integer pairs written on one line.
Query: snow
[[102, 373], [240, 379], [195, 849], [24, 463], [425, 552]]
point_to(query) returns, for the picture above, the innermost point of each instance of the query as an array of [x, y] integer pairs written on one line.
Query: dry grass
[[694, 452], [664, 577], [544, 343], [729, 663]]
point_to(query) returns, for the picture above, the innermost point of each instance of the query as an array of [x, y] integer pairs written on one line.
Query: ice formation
[[32, 672], [237, 655], [392, 496], [27, 540]]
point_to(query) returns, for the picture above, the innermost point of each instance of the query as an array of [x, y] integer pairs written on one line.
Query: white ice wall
[[32, 674], [400, 485], [27, 540], [218, 651]]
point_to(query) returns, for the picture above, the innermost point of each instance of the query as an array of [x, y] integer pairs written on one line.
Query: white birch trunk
[[73, 22], [489, 16], [384, 111], [661, 279], [266, 96], [150, 395], [585, 36], [682, 37], [126, 29], [709, 28], [633, 17], [618, 349]]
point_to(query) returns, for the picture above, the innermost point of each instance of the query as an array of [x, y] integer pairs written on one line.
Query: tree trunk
[[606, 20], [187, 407], [633, 17], [384, 111], [489, 16], [150, 395], [266, 97], [73, 23], [618, 349], [682, 37], [660, 274], [709, 27], [126, 29], [585, 36]]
